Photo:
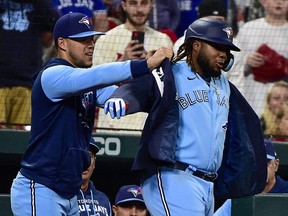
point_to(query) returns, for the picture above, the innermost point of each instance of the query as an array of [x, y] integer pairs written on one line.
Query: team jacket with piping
[[55, 171], [62, 122], [244, 167]]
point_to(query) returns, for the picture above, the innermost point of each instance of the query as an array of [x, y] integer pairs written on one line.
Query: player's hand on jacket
[[154, 58], [116, 107]]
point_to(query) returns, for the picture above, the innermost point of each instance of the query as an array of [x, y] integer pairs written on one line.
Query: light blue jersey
[[203, 114], [181, 146]]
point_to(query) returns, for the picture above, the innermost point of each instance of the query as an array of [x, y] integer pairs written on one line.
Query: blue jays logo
[[228, 31], [135, 191], [87, 102], [85, 21]]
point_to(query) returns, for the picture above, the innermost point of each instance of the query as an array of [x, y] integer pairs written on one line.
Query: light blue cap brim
[[130, 200], [269, 157], [86, 34]]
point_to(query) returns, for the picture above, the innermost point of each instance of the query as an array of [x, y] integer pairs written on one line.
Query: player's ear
[[196, 46], [276, 165], [61, 43]]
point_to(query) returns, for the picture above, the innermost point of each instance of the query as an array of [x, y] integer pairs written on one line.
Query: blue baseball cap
[[93, 146], [74, 25], [129, 193], [270, 150]]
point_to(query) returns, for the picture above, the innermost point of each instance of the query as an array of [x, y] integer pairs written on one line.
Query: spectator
[[165, 17], [113, 12], [64, 96], [94, 9], [90, 200], [271, 30], [198, 123], [256, 10], [283, 124], [117, 45], [188, 13], [207, 8], [129, 201], [243, 11], [25, 27], [276, 97], [274, 183]]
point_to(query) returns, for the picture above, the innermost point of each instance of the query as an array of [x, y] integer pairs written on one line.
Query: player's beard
[[135, 22], [204, 63]]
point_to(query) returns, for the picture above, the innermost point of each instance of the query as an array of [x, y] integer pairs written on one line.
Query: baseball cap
[[129, 193], [270, 150], [74, 25], [212, 8], [93, 146]]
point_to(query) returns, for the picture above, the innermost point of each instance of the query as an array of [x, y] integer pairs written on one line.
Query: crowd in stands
[[256, 24], [260, 70]]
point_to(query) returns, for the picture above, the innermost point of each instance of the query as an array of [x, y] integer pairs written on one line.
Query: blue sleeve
[[103, 94], [138, 68], [62, 81]]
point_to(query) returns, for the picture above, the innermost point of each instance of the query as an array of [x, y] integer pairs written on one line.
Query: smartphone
[[138, 35]]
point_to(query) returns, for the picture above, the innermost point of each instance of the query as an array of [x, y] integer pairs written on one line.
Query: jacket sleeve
[[244, 166]]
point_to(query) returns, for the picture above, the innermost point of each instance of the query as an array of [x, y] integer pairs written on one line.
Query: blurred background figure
[[165, 17], [264, 44], [129, 201], [94, 9], [207, 8], [276, 97], [90, 200], [274, 183], [283, 124], [26, 26]]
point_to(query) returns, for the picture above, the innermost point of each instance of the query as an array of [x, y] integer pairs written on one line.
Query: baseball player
[[129, 201], [64, 96], [196, 138]]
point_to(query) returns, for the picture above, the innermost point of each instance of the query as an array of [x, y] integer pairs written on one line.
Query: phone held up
[[138, 35]]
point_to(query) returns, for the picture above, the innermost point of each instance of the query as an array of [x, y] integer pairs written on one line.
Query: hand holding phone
[[138, 35]]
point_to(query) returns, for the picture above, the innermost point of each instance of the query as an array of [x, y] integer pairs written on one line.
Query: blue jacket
[[55, 171], [244, 167]]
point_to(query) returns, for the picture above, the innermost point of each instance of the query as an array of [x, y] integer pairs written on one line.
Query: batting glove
[[116, 107]]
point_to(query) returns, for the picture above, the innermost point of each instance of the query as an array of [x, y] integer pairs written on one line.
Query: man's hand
[[116, 107], [154, 58], [131, 51]]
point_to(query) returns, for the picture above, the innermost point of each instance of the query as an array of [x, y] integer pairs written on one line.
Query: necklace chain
[[215, 87]]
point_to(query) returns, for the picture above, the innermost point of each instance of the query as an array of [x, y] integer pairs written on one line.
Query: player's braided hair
[[185, 50]]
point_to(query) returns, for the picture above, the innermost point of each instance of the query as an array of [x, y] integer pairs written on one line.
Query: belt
[[211, 177]]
